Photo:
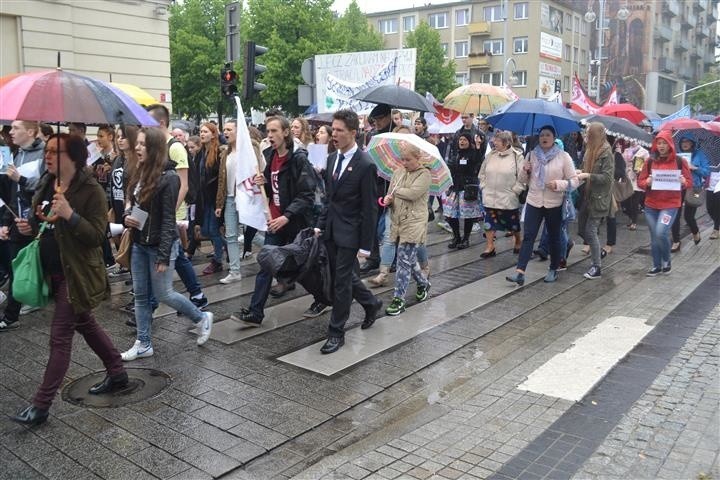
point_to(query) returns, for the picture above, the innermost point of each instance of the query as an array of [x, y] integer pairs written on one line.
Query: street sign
[[232, 32]]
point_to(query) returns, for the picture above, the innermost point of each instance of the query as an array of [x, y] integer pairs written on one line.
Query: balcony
[[700, 5], [479, 60], [710, 58], [702, 32], [663, 33], [667, 65], [671, 8], [688, 21], [696, 53], [479, 28], [710, 16], [687, 72], [682, 45]]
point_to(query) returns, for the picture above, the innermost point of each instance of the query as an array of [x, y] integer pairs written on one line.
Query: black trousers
[[347, 285]]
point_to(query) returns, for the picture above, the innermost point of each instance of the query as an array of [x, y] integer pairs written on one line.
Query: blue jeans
[[659, 223], [211, 229], [544, 245], [231, 234], [533, 218], [143, 267], [184, 269], [263, 280]]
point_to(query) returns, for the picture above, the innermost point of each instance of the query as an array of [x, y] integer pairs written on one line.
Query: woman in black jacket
[[464, 167], [152, 193], [208, 164]]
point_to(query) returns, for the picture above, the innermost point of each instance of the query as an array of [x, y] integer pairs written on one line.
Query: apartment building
[[123, 39], [650, 50]]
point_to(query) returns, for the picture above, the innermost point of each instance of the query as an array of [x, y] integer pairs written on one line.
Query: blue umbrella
[[526, 116]]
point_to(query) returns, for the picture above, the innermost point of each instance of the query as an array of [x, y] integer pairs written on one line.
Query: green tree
[[353, 33], [707, 97], [197, 53], [432, 73], [293, 30]]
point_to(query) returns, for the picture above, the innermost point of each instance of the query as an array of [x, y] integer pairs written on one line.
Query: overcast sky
[[370, 6]]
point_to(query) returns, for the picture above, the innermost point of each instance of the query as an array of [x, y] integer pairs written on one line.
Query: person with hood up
[[700, 168], [662, 206]]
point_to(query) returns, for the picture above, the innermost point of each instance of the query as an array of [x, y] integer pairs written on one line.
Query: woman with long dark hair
[[72, 258], [153, 192]]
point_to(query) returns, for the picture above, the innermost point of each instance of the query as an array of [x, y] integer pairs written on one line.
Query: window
[[584, 28], [493, 46], [462, 17], [493, 14], [388, 26], [461, 78], [408, 24], [666, 87], [520, 45], [521, 78], [566, 83], [438, 20], [461, 49], [576, 24], [566, 52], [445, 49], [568, 22], [521, 11], [576, 53], [493, 78]]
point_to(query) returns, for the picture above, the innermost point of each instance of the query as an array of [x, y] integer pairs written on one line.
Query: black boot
[[456, 241], [110, 384]]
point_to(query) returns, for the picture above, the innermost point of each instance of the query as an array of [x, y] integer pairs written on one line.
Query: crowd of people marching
[[151, 195]]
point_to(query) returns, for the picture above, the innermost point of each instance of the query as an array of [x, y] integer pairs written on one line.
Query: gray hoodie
[[36, 151]]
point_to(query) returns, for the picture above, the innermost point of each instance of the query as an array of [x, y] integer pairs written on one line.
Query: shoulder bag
[[622, 189], [29, 286], [124, 250]]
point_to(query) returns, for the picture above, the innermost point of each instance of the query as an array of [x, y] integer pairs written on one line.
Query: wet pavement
[[444, 403]]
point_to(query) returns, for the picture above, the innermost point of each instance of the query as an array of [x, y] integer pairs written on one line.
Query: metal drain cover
[[143, 384]]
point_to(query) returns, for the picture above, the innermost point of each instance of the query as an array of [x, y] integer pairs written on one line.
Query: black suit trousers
[[347, 284]]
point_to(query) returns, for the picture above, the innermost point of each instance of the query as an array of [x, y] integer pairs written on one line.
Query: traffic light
[[228, 81], [252, 69]]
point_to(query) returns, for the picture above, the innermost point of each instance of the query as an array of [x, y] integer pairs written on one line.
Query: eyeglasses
[[54, 152]]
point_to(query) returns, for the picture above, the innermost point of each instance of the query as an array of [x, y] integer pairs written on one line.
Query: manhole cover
[[144, 383]]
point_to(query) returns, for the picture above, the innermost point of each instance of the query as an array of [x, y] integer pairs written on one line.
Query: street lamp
[[590, 17], [512, 78]]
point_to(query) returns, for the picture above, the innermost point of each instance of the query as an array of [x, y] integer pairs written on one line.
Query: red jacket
[[661, 199]]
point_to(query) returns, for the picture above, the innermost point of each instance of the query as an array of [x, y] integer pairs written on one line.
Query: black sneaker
[[246, 318], [652, 272], [316, 309], [6, 324], [666, 269], [593, 273], [200, 303]]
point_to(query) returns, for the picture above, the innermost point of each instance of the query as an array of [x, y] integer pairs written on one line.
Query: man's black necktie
[[338, 167]]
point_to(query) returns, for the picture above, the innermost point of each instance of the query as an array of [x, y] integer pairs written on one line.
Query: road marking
[[572, 373], [391, 331], [289, 312]]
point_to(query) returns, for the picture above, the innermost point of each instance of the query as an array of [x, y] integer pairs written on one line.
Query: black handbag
[[471, 190]]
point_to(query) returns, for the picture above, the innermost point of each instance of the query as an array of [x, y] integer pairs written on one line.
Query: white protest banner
[[249, 199], [666, 180]]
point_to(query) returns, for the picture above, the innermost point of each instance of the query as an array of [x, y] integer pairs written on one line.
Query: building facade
[[125, 41], [651, 50]]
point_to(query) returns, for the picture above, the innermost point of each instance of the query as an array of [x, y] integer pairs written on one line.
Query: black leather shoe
[[369, 266], [371, 315], [31, 416], [281, 289], [110, 384], [332, 345]]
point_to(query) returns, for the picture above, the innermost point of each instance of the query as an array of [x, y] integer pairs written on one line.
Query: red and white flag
[[442, 120], [580, 102], [613, 97], [249, 199]]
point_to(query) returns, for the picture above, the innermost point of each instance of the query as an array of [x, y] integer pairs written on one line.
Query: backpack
[[193, 175]]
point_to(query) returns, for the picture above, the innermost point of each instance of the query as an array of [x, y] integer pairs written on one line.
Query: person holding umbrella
[[700, 169], [549, 172], [71, 256], [407, 200]]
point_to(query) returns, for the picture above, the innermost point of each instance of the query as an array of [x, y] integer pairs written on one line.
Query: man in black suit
[[347, 223]]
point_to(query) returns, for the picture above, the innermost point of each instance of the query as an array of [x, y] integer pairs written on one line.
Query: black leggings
[[467, 227], [713, 208]]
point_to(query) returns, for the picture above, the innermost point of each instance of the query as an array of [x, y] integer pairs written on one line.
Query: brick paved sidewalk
[[673, 430]]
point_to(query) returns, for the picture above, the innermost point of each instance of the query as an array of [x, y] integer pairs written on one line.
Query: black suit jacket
[[349, 216]]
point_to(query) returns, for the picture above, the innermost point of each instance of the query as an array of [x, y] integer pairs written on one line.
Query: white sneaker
[[28, 309], [231, 278], [138, 350], [204, 328]]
